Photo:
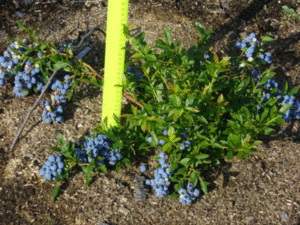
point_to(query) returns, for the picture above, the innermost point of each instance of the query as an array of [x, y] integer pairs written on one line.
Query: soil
[[259, 190]]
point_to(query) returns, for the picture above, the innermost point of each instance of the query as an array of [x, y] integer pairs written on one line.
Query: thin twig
[[124, 93], [89, 33], [32, 108]]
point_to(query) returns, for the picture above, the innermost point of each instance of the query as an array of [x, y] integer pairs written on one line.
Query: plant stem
[[32, 108]]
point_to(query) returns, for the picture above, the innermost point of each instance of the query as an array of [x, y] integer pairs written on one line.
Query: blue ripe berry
[[196, 192], [255, 72], [2, 59], [206, 56], [48, 176], [181, 147], [51, 158], [53, 167], [268, 54], [42, 171], [243, 44], [238, 45], [187, 143], [162, 161], [251, 50], [165, 132], [248, 54], [161, 154], [161, 142], [190, 186], [63, 91], [261, 56], [149, 139], [59, 109], [143, 168], [39, 54], [251, 35], [268, 59], [60, 165], [253, 43]]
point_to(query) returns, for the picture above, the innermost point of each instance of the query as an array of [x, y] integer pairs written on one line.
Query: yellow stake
[[117, 13]]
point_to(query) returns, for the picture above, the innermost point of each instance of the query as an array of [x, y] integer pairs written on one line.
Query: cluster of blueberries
[[50, 114], [27, 80], [53, 112], [30, 77], [184, 145], [8, 62], [24, 80], [98, 147], [54, 166], [161, 182], [248, 45], [188, 194], [138, 75]]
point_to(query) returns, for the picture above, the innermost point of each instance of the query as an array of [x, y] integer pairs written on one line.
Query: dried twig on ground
[[31, 110]]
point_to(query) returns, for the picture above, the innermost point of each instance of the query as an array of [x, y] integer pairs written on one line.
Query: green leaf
[[230, 154], [264, 114], [118, 167], [285, 108], [55, 192], [202, 119], [176, 101], [127, 162], [59, 65], [184, 161], [192, 109], [294, 91], [148, 108], [88, 181], [178, 186], [177, 114], [161, 45], [174, 196], [181, 171], [89, 169], [285, 88], [103, 168], [234, 139], [189, 101], [273, 113], [203, 185], [267, 38], [55, 149], [174, 166], [21, 26], [202, 156], [268, 130], [266, 77], [133, 109], [167, 35]]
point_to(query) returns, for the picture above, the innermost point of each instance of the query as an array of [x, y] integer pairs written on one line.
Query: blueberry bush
[[190, 105]]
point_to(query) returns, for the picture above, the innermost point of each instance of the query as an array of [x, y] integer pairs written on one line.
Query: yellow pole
[[117, 13]]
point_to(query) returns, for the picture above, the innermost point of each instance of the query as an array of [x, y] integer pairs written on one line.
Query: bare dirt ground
[[259, 190]]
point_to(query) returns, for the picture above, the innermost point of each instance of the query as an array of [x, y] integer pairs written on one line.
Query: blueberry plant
[[191, 105], [198, 108]]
